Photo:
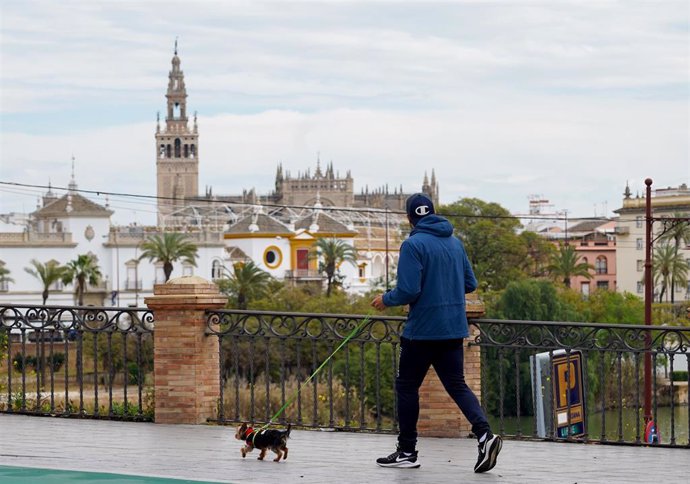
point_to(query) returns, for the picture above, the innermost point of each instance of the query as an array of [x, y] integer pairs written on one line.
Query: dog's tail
[[287, 431]]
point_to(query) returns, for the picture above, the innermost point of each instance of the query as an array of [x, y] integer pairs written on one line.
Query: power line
[[308, 207], [124, 198]]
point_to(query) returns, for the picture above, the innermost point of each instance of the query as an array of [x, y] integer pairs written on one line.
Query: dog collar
[[248, 434]]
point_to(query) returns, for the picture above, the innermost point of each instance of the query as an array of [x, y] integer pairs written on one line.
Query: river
[[629, 427]]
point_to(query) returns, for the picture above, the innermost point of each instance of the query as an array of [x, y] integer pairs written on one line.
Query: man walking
[[434, 274]]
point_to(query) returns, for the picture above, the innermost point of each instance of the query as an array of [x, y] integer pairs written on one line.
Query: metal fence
[[76, 361], [266, 357], [613, 387], [98, 362]]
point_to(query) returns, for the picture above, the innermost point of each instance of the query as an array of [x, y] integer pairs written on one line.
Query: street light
[[136, 273], [117, 265]]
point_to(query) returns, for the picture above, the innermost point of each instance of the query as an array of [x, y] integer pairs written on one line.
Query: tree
[[669, 268], [331, 253], [679, 233], [48, 273], [539, 254], [489, 233], [4, 274], [79, 271], [246, 282], [565, 265], [169, 248]]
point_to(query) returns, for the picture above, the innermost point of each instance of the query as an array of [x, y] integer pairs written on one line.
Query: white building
[[630, 235]]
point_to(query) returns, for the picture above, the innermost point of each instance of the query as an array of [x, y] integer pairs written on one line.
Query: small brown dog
[[276, 440]]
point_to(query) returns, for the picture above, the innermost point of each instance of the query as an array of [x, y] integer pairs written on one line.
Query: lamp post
[[386, 219], [117, 264], [136, 273], [648, 292]]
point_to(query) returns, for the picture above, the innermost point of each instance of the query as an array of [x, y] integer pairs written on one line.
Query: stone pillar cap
[[188, 280]]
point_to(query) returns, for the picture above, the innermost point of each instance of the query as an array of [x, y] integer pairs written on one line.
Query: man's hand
[[378, 302]]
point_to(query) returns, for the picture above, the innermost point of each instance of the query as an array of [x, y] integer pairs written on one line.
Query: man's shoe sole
[[491, 456], [406, 464]]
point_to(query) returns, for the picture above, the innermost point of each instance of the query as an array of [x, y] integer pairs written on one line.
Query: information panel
[[568, 394]]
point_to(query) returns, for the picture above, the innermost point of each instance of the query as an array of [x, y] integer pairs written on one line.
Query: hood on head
[[435, 225]]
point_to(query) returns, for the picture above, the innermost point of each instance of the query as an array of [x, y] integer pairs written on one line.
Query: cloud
[[567, 99]]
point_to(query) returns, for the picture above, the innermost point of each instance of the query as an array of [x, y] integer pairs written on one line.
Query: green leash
[[294, 395]]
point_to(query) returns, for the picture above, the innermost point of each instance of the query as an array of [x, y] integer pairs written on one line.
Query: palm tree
[[4, 274], [247, 281], [169, 248], [48, 273], [669, 268], [679, 233], [565, 265], [331, 253], [82, 270]]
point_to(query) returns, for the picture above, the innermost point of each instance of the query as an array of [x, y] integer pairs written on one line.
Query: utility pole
[[386, 219]]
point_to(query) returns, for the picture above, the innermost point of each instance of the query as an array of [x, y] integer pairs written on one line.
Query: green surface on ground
[[20, 475]]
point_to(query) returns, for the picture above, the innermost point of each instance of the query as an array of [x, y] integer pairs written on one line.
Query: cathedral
[[177, 173]]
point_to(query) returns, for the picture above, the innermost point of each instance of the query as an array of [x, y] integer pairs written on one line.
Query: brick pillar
[[186, 367], [439, 416]]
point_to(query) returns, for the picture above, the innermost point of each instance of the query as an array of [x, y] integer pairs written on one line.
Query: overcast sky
[[503, 99]]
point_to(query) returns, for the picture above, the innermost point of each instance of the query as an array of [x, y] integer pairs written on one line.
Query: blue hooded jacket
[[434, 274]]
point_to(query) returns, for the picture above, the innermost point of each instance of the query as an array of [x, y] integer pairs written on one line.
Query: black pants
[[447, 358]]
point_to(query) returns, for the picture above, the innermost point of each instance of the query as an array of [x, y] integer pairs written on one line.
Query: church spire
[[72, 183]]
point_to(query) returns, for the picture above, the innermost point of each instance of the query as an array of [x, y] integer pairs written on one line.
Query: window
[[273, 257], [57, 286], [362, 270], [640, 265], [177, 147], [160, 275], [639, 244], [600, 266], [603, 285], [187, 270], [640, 287], [216, 270], [585, 289], [638, 221]]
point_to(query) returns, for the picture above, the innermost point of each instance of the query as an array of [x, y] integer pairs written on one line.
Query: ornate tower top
[[176, 119], [177, 148]]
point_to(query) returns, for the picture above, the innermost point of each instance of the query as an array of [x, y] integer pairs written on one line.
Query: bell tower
[[177, 148]]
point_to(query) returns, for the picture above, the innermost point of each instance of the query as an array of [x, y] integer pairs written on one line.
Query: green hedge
[[679, 376]]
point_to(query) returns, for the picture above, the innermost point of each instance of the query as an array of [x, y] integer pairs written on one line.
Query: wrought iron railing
[[266, 357], [613, 373], [76, 361]]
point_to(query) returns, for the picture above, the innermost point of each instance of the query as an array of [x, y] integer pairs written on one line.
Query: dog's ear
[[243, 427]]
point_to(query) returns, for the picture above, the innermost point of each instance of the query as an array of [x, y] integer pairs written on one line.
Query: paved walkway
[[210, 453]]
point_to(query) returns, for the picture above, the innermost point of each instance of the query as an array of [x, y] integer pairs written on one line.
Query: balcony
[[304, 275]]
